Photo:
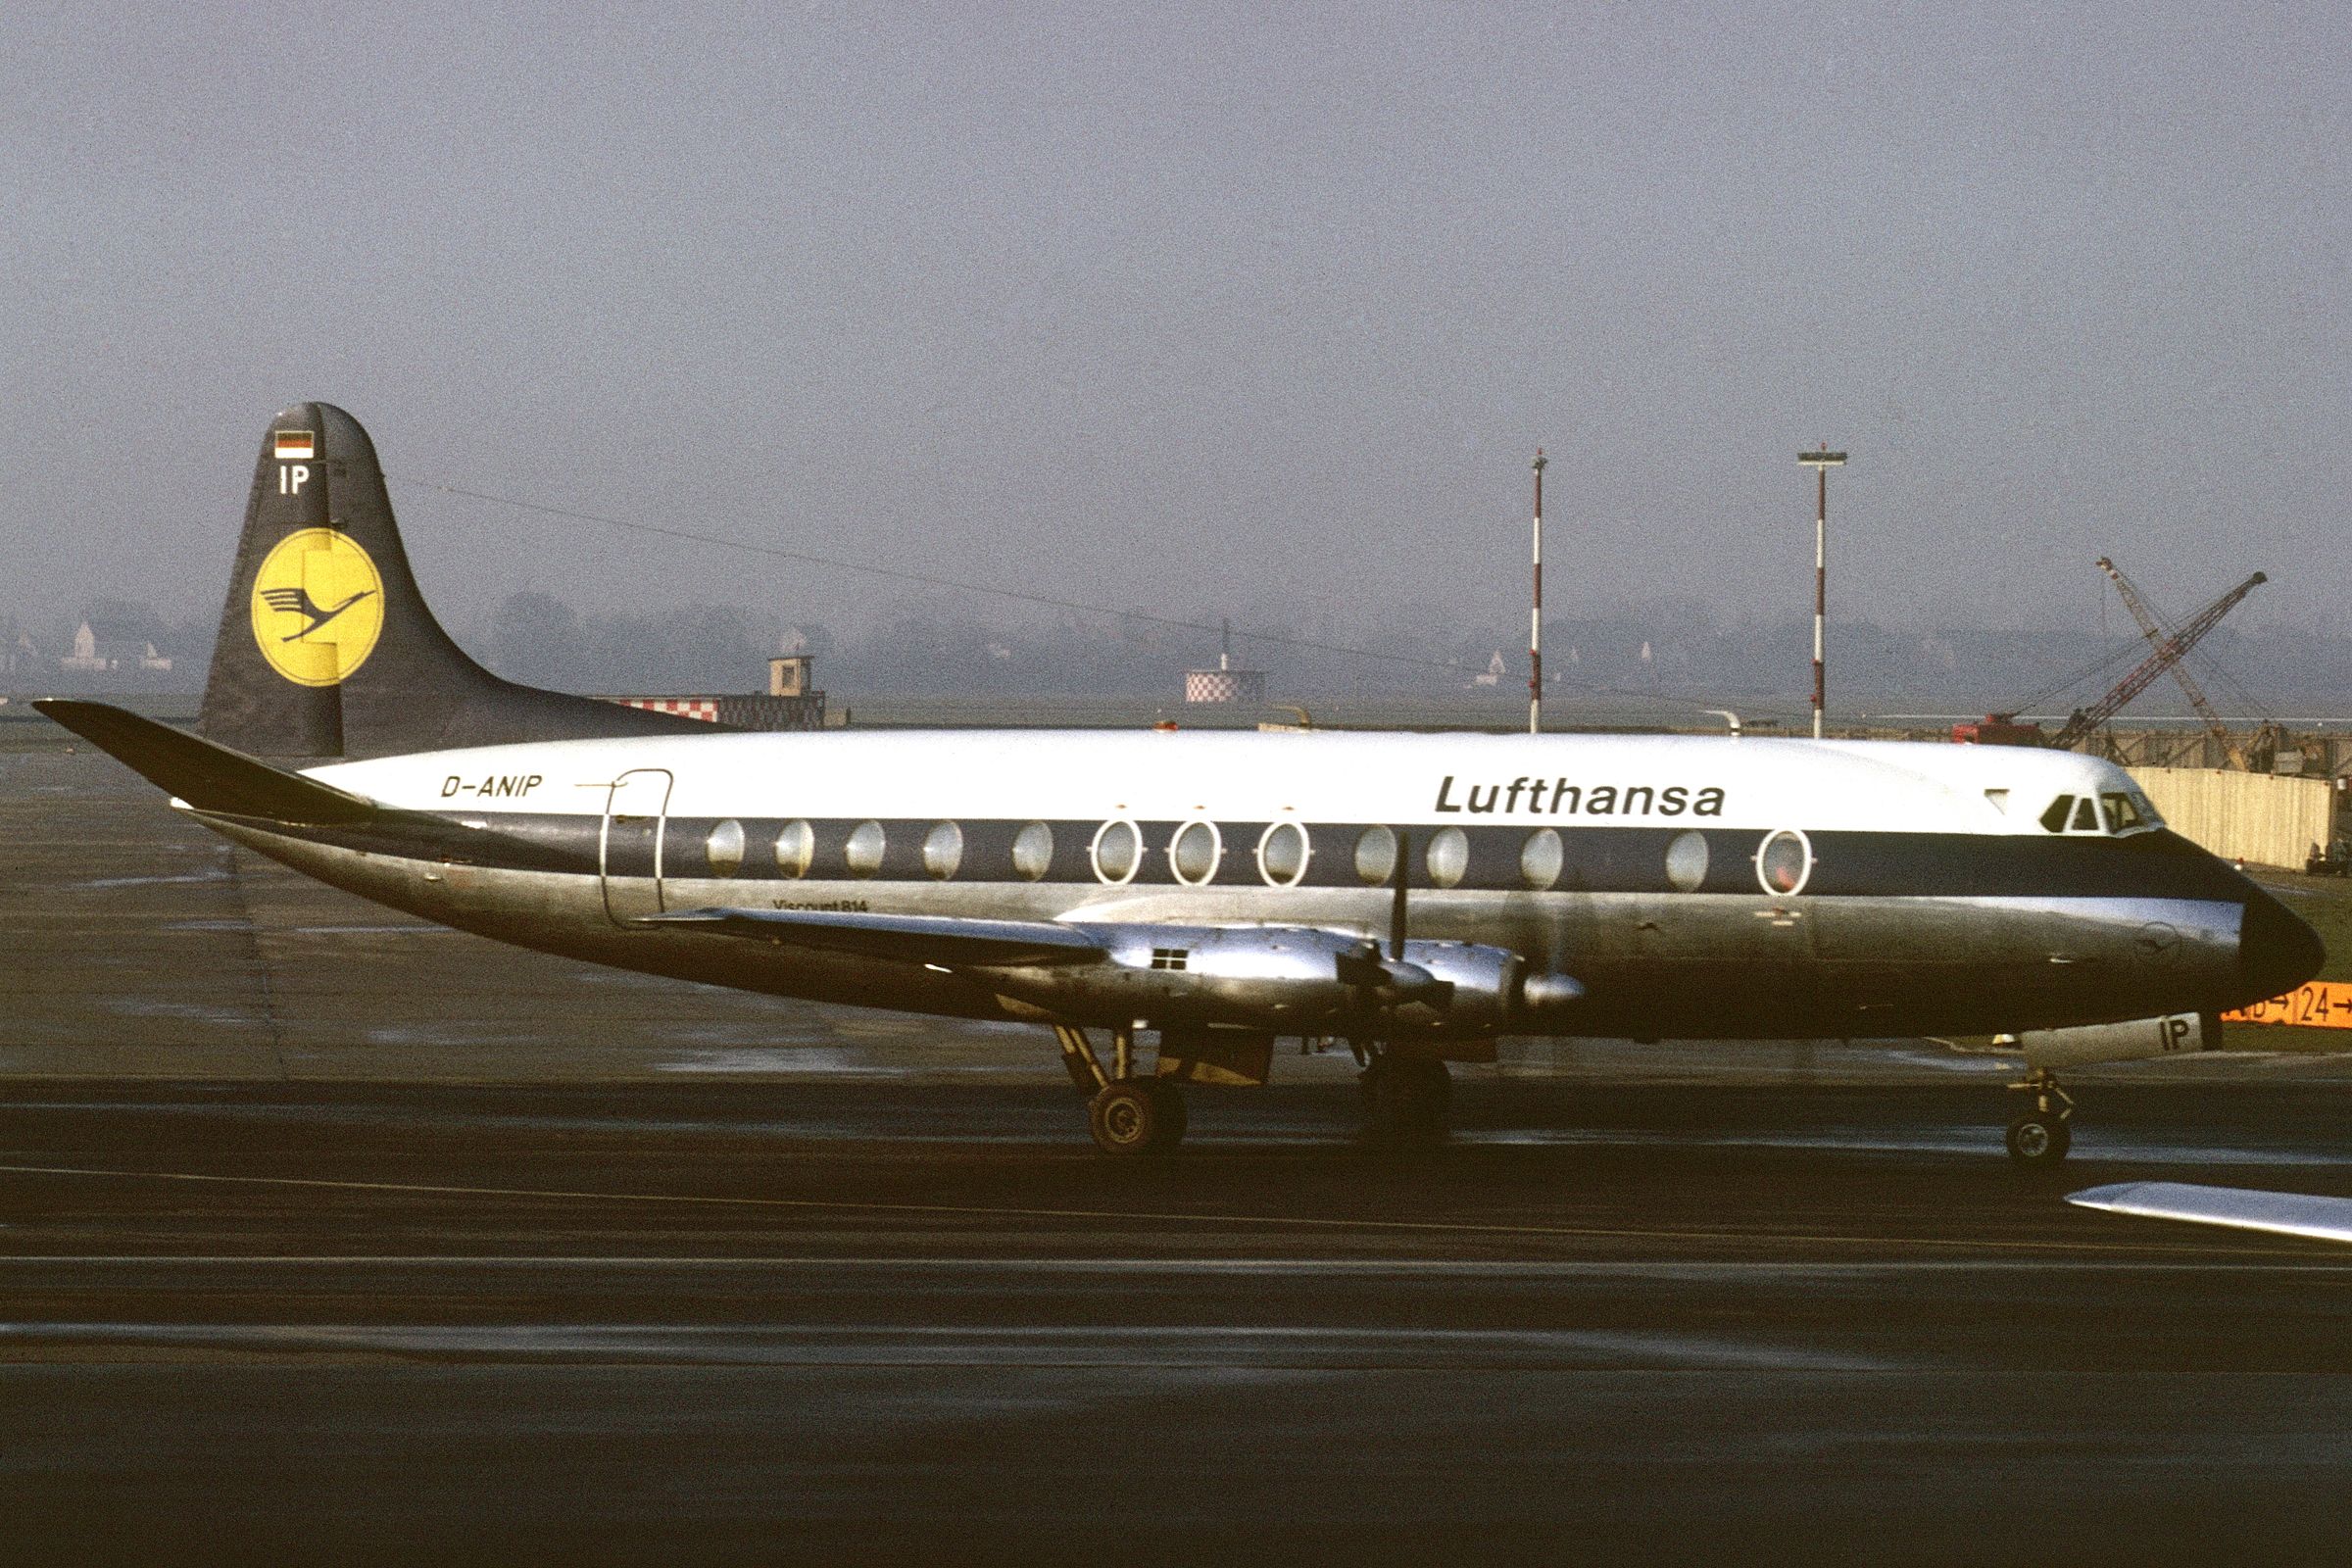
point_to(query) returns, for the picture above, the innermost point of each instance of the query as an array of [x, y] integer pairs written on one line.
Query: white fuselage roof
[[1432, 779]]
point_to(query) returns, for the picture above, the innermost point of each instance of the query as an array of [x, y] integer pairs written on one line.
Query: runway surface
[[325, 1233]]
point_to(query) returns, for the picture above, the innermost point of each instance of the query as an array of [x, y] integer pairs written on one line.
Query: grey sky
[[1201, 310]]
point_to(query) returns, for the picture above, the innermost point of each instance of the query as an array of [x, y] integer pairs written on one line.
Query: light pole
[[1820, 463], [1535, 621]]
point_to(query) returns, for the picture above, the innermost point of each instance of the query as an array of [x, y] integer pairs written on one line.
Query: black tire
[[1433, 1087], [2037, 1139], [1128, 1118], [1406, 1097], [1175, 1116]]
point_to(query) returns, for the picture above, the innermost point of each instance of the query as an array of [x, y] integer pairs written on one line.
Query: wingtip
[[2105, 1196]]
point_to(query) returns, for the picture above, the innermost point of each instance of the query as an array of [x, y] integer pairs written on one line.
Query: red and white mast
[[1535, 618]]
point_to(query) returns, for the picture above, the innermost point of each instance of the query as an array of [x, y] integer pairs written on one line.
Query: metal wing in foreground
[[909, 938], [2245, 1209]]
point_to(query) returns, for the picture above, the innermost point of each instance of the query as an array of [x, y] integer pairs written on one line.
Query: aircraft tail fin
[[326, 646]]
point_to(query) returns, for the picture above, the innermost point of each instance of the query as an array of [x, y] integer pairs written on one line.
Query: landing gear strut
[[1125, 1113], [1406, 1096], [2041, 1134]]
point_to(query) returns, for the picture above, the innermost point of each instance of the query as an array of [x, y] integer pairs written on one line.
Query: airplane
[[1414, 896]]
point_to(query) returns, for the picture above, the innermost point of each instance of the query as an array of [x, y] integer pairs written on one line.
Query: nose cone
[[2276, 951]]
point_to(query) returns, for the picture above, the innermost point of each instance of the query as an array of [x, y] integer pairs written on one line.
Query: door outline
[[626, 897]]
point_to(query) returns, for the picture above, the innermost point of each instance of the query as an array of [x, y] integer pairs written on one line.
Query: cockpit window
[[2128, 811], [2125, 811]]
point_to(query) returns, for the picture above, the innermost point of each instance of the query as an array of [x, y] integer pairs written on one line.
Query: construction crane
[[2165, 655], [2233, 756], [2006, 729]]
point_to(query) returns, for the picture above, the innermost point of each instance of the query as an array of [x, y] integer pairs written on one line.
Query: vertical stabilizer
[[326, 646]]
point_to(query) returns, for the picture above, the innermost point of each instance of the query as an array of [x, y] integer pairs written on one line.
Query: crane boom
[[2165, 656], [2154, 632]]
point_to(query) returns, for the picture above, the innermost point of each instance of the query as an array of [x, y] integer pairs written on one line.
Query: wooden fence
[[2254, 817]]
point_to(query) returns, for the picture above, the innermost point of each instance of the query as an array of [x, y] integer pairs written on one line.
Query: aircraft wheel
[[1406, 1097], [2038, 1138], [1174, 1113], [1131, 1116]]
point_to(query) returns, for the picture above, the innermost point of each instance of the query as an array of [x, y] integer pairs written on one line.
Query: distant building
[[106, 648], [1492, 675], [1225, 684], [17, 656], [789, 703], [788, 675]]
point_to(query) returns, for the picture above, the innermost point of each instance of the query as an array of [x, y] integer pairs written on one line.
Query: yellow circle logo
[[318, 607]]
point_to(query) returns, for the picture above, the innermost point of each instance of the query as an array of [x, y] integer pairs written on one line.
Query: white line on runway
[[1445, 1269], [1121, 1216], [1158, 1346]]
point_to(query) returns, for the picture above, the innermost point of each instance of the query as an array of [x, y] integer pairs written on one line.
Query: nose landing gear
[[2041, 1134]]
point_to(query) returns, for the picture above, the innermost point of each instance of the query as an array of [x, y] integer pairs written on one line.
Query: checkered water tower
[[1225, 684]]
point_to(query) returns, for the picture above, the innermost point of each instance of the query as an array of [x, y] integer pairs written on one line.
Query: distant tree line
[[1680, 651]]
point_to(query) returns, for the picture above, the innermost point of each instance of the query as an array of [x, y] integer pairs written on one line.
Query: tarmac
[[323, 1231]]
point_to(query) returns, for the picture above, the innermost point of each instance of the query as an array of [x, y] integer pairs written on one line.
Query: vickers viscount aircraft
[[1413, 896]]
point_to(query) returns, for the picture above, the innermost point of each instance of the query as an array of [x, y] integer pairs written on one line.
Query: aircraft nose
[[2276, 951]]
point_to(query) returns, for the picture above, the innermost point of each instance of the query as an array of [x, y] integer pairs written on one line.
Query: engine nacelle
[[2138, 1039], [1290, 979], [1484, 983]]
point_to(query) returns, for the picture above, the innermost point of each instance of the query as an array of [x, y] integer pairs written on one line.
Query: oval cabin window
[[723, 849], [1687, 861], [1194, 853], [795, 848], [1119, 850], [1448, 857], [943, 850], [1282, 854], [1542, 858], [862, 854], [1376, 856], [1033, 852], [1785, 862]]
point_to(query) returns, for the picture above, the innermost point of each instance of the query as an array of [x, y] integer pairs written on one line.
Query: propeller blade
[[1405, 862]]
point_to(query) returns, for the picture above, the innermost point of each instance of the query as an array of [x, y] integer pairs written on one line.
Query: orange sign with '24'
[[2320, 1004]]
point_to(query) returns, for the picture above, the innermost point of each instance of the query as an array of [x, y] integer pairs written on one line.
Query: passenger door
[[629, 849]]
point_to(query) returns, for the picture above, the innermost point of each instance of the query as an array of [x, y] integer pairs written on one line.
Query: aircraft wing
[[2245, 1209], [912, 938]]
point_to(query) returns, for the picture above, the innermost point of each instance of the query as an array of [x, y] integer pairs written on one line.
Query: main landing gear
[[1406, 1096], [2040, 1134], [1125, 1113]]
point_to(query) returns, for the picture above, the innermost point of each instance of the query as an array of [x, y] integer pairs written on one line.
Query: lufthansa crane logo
[[318, 607]]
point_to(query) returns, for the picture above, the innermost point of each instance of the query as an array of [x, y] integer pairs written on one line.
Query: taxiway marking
[[1125, 1217]]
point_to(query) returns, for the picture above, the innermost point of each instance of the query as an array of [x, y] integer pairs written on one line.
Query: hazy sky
[[1193, 309]]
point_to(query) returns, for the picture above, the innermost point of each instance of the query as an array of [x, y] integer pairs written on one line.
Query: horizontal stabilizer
[[2245, 1209], [909, 938], [207, 775]]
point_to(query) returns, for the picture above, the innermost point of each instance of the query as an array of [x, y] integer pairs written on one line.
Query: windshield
[[2111, 811]]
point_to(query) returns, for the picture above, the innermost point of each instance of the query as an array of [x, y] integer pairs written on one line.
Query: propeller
[[1404, 861], [1386, 983]]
